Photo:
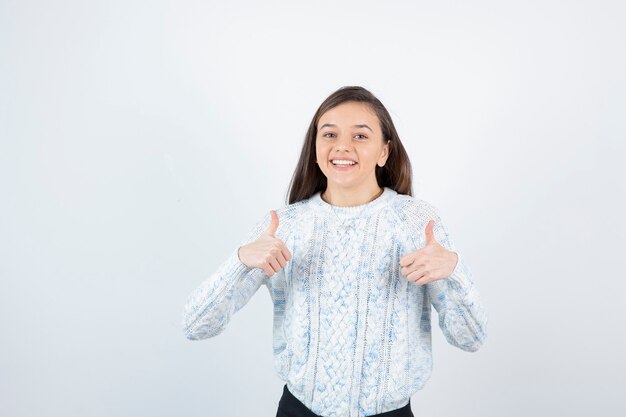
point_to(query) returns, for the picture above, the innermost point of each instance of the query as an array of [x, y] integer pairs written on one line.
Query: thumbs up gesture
[[267, 252], [430, 263]]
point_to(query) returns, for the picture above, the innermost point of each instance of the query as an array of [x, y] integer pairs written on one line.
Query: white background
[[141, 140]]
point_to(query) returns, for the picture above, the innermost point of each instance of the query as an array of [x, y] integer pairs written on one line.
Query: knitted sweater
[[351, 335]]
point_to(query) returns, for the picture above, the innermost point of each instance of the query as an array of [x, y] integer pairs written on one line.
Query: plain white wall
[[141, 140]]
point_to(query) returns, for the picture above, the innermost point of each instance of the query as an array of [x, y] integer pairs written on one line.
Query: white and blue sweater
[[352, 336]]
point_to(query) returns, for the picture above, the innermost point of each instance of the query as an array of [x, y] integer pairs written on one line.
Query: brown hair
[[308, 179]]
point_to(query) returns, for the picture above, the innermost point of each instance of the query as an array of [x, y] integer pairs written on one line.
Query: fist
[[430, 263], [267, 252]]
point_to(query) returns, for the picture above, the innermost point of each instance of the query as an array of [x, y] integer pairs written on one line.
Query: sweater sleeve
[[210, 306], [462, 315]]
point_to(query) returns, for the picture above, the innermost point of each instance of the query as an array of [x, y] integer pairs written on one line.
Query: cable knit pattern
[[352, 336]]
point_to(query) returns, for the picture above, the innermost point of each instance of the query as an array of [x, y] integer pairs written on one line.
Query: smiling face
[[350, 132]]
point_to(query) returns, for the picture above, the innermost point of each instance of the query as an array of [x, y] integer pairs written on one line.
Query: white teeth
[[342, 162]]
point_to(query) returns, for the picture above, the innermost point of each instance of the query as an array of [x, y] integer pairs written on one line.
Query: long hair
[[396, 174]]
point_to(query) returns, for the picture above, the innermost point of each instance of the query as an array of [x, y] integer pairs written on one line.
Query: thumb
[[430, 233], [271, 229]]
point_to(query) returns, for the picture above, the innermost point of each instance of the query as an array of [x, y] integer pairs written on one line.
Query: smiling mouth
[[343, 163]]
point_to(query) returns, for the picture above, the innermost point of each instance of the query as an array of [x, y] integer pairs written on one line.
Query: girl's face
[[350, 132]]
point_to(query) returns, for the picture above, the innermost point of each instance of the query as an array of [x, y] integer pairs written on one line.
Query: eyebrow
[[332, 125]]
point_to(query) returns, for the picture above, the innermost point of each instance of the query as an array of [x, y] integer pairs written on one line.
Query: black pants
[[290, 406]]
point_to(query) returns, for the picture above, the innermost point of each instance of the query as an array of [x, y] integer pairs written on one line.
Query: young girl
[[352, 264]]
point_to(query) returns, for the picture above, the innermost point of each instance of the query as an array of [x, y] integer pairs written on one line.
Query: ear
[[385, 155]]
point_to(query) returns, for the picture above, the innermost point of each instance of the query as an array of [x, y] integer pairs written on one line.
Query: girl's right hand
[[267, 252]]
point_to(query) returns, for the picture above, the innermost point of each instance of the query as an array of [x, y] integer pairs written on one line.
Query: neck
[[348, 198]]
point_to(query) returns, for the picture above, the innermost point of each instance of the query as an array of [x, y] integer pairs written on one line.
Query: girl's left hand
[[430, 263]]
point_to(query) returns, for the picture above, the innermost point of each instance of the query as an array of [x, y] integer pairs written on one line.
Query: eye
[[326, 135], [364, 137]]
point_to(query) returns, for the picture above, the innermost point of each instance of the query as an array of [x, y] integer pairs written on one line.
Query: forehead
[[350, 113]]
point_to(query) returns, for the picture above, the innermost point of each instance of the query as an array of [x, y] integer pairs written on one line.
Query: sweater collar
[[351, 212]]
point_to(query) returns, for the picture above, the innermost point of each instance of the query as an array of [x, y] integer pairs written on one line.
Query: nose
[[344, 142]]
